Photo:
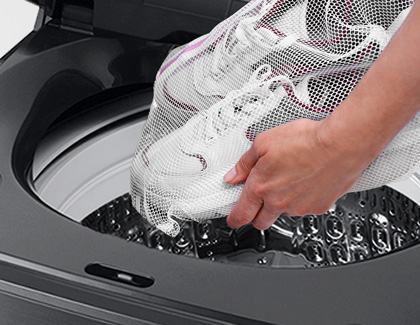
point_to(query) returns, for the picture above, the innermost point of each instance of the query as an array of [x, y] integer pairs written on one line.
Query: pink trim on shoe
[[187, 49]]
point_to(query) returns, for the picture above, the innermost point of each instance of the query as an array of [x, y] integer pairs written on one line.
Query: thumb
[[243, 167]]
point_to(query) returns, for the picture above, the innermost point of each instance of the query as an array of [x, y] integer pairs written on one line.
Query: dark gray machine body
[[82, 56]]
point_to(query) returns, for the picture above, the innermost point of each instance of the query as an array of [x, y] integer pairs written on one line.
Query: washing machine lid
[[149, 19]]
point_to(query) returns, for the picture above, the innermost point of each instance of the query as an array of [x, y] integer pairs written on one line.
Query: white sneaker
[[190, 186]]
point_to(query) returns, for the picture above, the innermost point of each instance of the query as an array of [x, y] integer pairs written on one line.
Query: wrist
[[351, 137]]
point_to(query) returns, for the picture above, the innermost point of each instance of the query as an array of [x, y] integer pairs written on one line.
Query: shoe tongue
[[230, 115], [269, 38], [266, 35]]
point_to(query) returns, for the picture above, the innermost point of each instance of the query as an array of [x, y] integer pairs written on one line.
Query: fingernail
[[230, 175]]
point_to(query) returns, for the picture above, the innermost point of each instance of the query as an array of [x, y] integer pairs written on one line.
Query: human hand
[[304, 166], [294, 169]]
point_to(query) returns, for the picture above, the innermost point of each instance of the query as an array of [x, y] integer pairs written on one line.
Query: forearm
[[386, 98], [303, 167]]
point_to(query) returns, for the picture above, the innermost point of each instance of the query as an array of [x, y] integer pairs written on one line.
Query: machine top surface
[[184, 19]]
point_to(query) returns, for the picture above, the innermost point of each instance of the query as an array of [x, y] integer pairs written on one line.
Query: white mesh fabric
[[272, 62]]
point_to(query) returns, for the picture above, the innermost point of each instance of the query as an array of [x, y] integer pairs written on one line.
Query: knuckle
[[259, 189], [300, 211], [260, 143], [284, 204], [259, 139], [279, 206], [302, 124]]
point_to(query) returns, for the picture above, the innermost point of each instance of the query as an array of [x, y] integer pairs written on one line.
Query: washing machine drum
[[82, 170]]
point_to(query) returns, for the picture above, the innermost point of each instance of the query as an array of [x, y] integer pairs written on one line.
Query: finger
[[243, 167], [265, 217], [245, 210]]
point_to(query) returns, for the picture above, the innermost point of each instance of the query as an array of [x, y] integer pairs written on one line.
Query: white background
[[17, 19]]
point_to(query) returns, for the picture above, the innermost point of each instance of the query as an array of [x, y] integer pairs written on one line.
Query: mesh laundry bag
[[272, 62]]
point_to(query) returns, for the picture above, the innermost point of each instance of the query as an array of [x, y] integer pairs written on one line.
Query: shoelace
[[239, 104], [226, 54]]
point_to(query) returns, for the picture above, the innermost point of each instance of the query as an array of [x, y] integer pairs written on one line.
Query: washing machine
[[74, 96]]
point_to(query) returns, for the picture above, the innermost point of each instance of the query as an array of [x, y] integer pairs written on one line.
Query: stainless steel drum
[[82, 170]]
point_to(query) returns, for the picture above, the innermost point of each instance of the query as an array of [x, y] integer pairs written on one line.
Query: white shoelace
[[239, 104]]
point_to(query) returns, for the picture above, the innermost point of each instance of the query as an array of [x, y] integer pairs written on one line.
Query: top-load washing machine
[[74, 96]]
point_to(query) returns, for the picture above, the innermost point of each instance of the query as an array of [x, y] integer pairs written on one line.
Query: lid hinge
[[77, 14]]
